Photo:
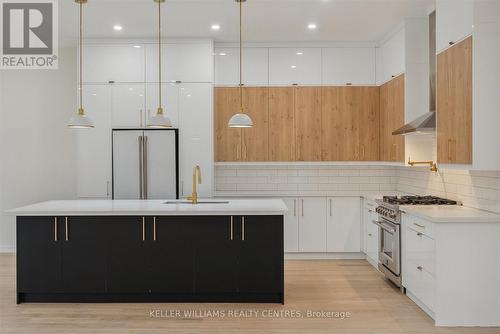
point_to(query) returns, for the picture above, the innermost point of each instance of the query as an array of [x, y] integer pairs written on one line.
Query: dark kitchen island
[[149, 251]]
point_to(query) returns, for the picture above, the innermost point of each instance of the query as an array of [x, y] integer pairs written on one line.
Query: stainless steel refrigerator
[[145, 164]]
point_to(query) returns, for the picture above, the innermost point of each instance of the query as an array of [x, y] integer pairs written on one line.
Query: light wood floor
[[329, 285]]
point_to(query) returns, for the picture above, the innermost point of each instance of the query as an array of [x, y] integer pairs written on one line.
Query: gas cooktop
[[418, 200]]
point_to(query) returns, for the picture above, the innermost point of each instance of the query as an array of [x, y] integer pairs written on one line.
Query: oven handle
[[384, 227]]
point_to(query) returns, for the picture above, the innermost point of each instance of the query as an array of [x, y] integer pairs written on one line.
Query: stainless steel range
[[389, 224]]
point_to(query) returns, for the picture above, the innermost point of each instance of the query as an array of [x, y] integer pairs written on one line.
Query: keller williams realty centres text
[[267, 313]]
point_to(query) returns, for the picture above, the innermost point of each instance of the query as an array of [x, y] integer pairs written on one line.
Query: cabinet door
[[39, 255], [227, 140], [128, 253], [454, 21], [118, 63], [344, 224], [291, 225], [261, 254], [343, 66], [185, 62], [295, 66], [312, 224], [255, 140], [340, 118], [281, 124], [369, 123], [394, 56], [308, 101], [127, 105], [84, 247], [196, 135], [370, 233], [255, 66], [392, 111], [216, 261], [94, 145], [171, 254], [454, 104], [127, 162], [170, 101]]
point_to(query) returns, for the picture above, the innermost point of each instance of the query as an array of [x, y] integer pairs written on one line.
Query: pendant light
[[241, 120], [159, 120], [80, 120]]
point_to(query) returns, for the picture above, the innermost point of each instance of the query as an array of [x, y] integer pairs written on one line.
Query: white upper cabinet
[[127, 105], [94, 145], [196, 136], [118, 63], [170, 101], [255, 66], [354, 66], [392, 57], [454, 21], [185, 62], [344, 224], [301, 66]]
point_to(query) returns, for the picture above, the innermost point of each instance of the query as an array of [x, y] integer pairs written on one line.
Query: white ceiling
[[264, 20]]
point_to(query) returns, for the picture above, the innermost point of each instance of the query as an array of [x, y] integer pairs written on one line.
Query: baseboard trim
[[324, 256], [7, 249]]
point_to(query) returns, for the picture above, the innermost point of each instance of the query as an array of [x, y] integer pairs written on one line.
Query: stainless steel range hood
[[426, 124]]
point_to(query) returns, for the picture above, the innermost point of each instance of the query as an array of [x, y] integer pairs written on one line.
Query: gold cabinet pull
[[449, 150], [231, 229], [143, 228], [154, 228], [243, 228], [55, 229], [66, 232]]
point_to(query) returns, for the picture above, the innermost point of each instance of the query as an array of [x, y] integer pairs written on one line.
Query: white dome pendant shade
[[80, 120], [159, 120], [240, 120]]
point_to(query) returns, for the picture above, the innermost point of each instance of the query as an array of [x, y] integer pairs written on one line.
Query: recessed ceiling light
[[215, 27], [294, 66], [117, 27], [300, 53], [312, 26], [137, 46], [222, 54]]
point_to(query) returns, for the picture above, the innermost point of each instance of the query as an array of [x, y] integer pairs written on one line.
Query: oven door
[[389, 250]]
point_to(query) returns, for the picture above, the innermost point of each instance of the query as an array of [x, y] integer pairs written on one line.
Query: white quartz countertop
[[451, 214], [247, 207]]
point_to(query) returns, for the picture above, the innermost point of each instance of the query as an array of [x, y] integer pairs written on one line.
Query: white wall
[[36, 147]]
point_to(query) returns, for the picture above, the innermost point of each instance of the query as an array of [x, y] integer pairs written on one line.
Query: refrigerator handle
[[145, 166], [141, 161]]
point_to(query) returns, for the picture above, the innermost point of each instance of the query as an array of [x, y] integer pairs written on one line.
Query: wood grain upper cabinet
[[339, 124], [281, 124], [227, 140], [308, 123], [392, 110], [255, 139], [369, 123], [454, 104]]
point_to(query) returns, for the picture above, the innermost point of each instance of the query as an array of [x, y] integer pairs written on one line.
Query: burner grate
[[418, 200]]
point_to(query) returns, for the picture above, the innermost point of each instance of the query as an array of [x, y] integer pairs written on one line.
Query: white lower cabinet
[[418, 261], [370, 231], [343, 229], [291, 226], [94, 145], [323, 225], [312, 224]]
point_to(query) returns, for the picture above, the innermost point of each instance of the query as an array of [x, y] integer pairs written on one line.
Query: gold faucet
[[194, 196], [432, 164]]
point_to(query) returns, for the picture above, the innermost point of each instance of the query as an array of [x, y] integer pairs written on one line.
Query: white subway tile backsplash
[[479, 189]]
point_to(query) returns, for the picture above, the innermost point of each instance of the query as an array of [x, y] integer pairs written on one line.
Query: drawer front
[[420, 249], [419, 225], [420, 283]]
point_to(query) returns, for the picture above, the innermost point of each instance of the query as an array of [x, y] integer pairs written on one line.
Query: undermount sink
[[199, 202]]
